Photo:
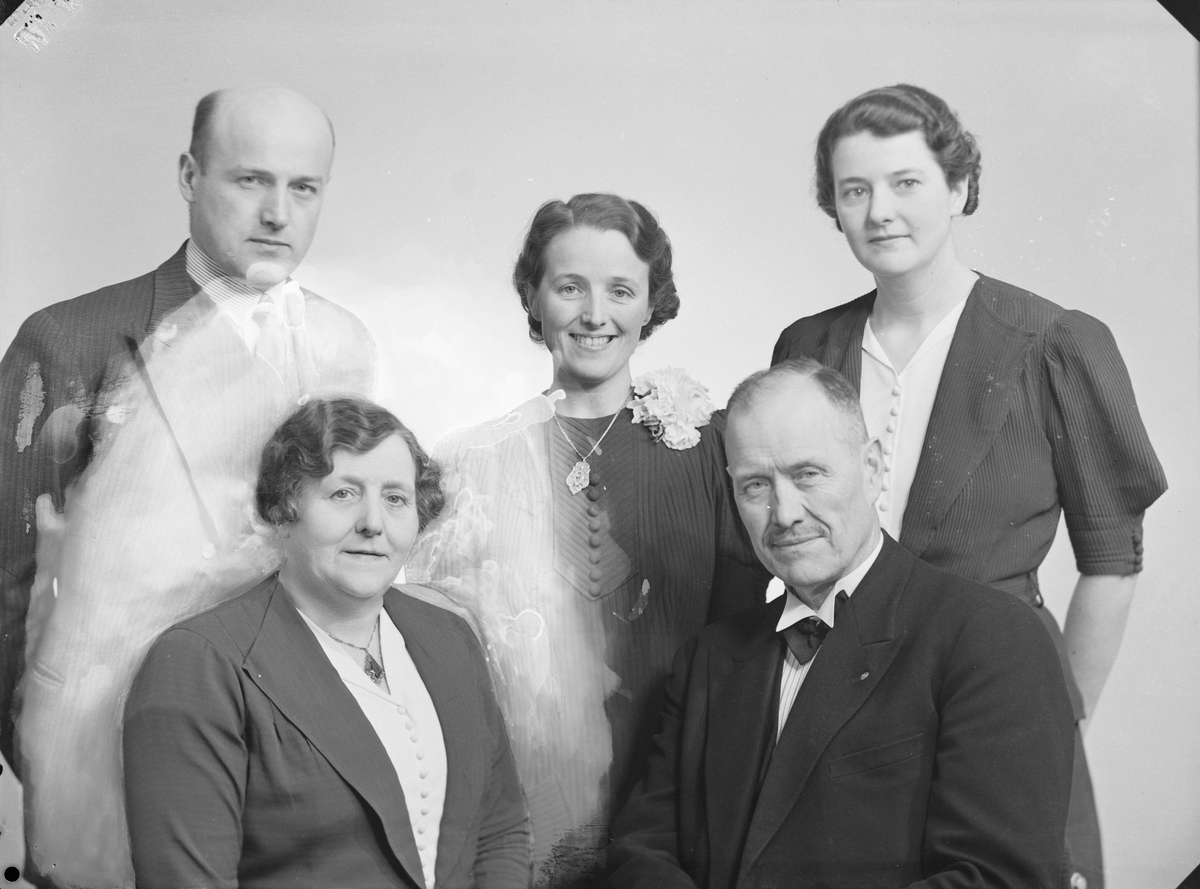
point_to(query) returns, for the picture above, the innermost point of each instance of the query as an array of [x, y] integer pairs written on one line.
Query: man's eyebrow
[[743, 473]]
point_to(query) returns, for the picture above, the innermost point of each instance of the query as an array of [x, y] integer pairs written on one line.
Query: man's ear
[[873, 469], [188, 171]]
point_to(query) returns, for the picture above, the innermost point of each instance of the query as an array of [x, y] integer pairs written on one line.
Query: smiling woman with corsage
[[591, 531], [324, 728]]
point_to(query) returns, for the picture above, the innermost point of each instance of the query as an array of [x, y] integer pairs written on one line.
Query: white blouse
[[897, 406], [407, 723]]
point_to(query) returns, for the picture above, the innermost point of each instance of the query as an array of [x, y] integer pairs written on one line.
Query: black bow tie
[[805, 636]]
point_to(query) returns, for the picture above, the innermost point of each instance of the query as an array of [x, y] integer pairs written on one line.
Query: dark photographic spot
[[12, 874]]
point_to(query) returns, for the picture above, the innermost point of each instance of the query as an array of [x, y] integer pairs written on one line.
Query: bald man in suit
[[254, 178], [882, 724]]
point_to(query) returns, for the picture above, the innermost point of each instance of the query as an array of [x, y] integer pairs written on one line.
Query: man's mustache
[[792, 535]]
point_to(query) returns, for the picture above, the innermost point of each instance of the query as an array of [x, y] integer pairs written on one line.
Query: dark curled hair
[[302, 448], [892, 111], [603, 212]]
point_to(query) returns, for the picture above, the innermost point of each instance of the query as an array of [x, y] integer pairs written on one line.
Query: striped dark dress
[[584, 599], [1034, 417]]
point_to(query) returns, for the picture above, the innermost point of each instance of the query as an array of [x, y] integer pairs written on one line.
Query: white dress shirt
[[408, 726], [238, 301], [896, 406], [795, 611]]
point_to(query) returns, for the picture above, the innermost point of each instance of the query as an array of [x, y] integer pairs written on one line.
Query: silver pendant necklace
[[371, 667], [581, 472]]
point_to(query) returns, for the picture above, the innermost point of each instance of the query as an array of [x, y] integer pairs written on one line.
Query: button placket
[[889, 447]]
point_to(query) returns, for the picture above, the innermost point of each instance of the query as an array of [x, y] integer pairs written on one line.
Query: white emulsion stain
[[32, 36], [38, 17], [33, 400], [59, 435]]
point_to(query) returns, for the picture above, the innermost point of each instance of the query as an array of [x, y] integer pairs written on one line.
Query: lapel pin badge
[[864, 676]]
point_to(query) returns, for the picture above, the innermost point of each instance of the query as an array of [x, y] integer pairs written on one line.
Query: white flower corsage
[[672, 406]]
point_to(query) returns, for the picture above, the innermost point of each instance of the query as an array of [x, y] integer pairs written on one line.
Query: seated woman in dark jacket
[[325, 728]]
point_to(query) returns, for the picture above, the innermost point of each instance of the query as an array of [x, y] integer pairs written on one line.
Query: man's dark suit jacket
[[54, 381], [930, 745], [248, 762]]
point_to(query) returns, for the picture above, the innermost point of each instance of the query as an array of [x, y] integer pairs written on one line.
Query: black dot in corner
[[12, 874]]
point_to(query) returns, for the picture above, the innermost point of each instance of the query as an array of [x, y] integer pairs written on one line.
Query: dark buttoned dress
[[1034, 418]]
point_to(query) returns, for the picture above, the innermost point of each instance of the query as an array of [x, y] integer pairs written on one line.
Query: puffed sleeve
[[185, 765], [739, 579], [1105, 466]]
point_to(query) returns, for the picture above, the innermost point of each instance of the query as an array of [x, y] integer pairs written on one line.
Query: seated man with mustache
[[882, 724]]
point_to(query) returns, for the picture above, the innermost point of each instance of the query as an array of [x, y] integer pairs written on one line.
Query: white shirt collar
[[794, 610], [206, 273], [237, 299]]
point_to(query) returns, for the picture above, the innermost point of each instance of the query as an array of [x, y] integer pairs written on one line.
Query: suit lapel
[[842, 349], [172, 288], [741, 713], [289, 666], [439, 662], [847, 669], [973, 398]]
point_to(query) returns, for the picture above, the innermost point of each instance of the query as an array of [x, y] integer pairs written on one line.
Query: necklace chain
[[577, 478], [371, 667], [598, 440]]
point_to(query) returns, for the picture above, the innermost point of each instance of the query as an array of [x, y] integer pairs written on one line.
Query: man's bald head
[[208, 107]]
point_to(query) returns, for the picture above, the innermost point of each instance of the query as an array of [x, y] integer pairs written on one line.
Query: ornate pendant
[[373, 669], [578, 477]]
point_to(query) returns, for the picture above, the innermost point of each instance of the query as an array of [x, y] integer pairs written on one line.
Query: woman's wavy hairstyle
[[303, 445], [604, 212], [892, 111]]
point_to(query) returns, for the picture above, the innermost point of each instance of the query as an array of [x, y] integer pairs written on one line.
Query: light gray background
[[456, 119]]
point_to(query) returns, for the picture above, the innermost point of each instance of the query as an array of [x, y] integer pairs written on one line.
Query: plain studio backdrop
[[455, 120]]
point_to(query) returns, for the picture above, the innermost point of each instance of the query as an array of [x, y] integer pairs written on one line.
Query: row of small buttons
[[595, 541], [884, 501], [415, 738]]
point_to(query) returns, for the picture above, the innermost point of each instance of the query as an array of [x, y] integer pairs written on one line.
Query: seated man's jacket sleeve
[[645, 852]]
